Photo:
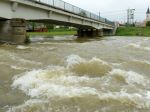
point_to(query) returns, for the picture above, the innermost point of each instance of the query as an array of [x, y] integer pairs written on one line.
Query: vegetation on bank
[[53, 33], [47, 29], [133, 31]]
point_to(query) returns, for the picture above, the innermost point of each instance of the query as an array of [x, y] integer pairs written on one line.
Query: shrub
[[148, 23]]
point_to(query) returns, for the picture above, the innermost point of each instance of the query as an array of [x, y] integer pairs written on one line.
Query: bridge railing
[[73, 9]]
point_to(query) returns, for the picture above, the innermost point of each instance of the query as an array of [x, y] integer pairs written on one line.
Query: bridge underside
[[15, 13], [63, 23], [83, 30], [14, 30]]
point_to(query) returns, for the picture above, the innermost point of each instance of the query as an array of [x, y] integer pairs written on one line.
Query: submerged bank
[[133, 31]]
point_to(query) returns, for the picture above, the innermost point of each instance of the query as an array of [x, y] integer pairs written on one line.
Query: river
[[65, 74]]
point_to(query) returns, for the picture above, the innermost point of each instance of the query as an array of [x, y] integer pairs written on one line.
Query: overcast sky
[[114, 9]]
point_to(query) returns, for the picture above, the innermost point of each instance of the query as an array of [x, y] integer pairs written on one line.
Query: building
[[147, 16], [143, 24]]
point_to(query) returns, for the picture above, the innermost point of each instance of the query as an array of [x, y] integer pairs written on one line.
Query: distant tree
[[49, 26], [33, 24], [148, 24]]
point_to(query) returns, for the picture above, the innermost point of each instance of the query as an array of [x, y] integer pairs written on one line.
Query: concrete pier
[[108, 32], [94, 32], [13, 31], [89, 33]]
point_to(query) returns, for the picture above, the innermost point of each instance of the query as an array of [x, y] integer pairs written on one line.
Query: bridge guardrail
[[74, 9]]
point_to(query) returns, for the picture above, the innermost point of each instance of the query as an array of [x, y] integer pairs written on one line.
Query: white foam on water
[[146, 39], [148, 95], [130, 77], [138, 46], [15, 57], [31, 104], [146, 48], [59, 82], [52, 48], [134, 45], [74, 59], [142, 61], [17, 68], [37, 38], [133, 99], [21, 47], [53, 83]]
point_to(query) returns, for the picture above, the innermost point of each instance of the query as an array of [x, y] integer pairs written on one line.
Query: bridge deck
[[59, 4]]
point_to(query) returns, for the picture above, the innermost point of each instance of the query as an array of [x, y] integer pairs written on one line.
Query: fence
[[73, 9]]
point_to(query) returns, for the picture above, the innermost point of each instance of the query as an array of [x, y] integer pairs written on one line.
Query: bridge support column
[[82, 33], [100, 33], [13, 31], [108, 32], [90, 33]]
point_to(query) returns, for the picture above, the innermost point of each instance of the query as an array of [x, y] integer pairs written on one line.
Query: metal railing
[[73, 9]]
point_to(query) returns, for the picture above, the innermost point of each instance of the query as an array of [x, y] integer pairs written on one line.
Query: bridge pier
[[13, 31], [90, 33], [108, 32]]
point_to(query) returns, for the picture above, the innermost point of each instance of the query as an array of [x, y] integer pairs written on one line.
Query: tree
[[49, 26], [148, 23]]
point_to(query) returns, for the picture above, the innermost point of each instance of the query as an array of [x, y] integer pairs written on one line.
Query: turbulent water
[[65, 74]]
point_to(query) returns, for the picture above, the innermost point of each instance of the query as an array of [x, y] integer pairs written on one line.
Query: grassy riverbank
[[53, 33], [133, 31]]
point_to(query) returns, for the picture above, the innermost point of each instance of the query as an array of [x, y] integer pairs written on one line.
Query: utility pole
[[99, 15], [130, 16]]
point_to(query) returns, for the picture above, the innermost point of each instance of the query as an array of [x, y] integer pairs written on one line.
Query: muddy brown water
[[66, 74]]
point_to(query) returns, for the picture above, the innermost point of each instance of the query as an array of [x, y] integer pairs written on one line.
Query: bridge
[[15, 13]]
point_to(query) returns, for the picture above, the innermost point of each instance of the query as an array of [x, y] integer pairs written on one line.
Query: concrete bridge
[[15, 13]]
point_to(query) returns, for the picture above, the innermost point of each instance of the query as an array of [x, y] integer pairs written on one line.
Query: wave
[[51, 83], [129, 77], [88, 103], [32, 105], [21, 47], [93, 67], [62, 88], [140, 66], [77, 76], [141, 63], [18, 58], [138, 46], [17, 67]]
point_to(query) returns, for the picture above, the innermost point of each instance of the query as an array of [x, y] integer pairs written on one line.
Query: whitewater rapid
[[94, 81], [109, 74]]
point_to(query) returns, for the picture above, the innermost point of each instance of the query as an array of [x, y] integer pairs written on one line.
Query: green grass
[[133, 31], [53, 33]]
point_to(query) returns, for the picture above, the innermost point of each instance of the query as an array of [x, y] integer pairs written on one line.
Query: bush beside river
[[133, 31]]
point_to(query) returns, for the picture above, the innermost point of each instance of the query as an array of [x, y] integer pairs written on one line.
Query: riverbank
[[133, 31], [53, 33]]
